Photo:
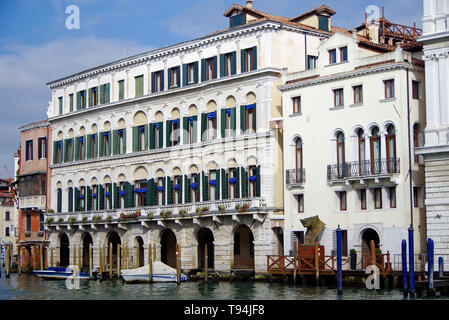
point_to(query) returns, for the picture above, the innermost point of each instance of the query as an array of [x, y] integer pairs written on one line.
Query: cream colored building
[[346, 147], [171, 132]]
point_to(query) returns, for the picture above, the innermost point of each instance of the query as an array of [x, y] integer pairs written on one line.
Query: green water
[[30, 287]]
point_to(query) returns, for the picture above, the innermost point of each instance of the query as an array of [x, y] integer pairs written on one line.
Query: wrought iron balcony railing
[[363, 169], [295, 176]]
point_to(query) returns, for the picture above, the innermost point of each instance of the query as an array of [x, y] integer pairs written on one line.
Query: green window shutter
[[222, 65], [70, 196], [180, 190], [101, 202], [121, 89], [255, 117], [214, 76], [203, 126], [187, 190], [71, 102], [83, 151], [129, 195], [323, 23], [243, 60], [244, 176], [195, 129], [89, 147], [178, 76], [78, 101], [59, 204], [89, 199], [161, 134], [224, 184], [169, 190], [77, 199], [124, 140], [196, 71], [77, 148], [217, 187], [102, 151], [148, 194], [96, 146], [223, 123], [145, 137], [205, 180], [243, 119], [185, 74], [258, 181], [139, 86], [152, 136], [234, 62], [255, 58], [185, 129], [154, 192], [135, 139], [91, 98], [55, 152], [66, 153], [237, 184], [203, 70], [233, 121], [115, 142], [169, 131], [170, 72]]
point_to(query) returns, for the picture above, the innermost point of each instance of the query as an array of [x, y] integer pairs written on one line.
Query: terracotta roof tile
[[373, 65]]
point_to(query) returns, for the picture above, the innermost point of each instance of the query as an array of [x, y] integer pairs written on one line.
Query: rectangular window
[[338, 98], [41, 222], [71, 102], [28, 223], [69, 150], [343, 203], [157, 78], [121, 89], [300, 201], [415, 197], [296, 104], [29, 150], [378, 198], [191, 73], [210, 67], [249, 59], [343, 54], [60, 105], [108, 196], [358, 94], [363, 199], [389, 88], [212, 185], [121, 142], [228, 64], [93, 97], [211, 128], [250, 120], [194, 187], [7, 216], [415, 89], [160, 191], [141, 138], [232, 183], [157, 136], [392, 195], [177, 190], [311, 62], [140, 193], [173, 73], [174, 132], [227, 115], [105, 93], [139, 85], [122, 195], [42, 145], [81, 100], [94, 205], [332, 56]]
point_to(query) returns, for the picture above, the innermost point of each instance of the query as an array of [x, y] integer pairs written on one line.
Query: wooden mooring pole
[[51, 257], [150, 264], [42, 257], [294, 262], [178, 264], [19, 265], [118, 260], [430, 268], [110, 260], [339, 263], [205, 262], [404, 267], [154, 251], [90, 260], [317, 265], [7, 265]]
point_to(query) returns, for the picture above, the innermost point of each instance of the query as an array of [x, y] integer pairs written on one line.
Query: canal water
[[30, 287]]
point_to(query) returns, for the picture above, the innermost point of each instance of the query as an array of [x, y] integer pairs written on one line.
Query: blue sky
[[36, 47]]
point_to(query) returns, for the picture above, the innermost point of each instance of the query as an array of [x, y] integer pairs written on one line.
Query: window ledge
[[295, 115], [337, 63], [356, 105], [387, 100], [336, 108]]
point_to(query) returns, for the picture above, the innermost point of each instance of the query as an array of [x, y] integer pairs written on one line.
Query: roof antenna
[[249, 3]]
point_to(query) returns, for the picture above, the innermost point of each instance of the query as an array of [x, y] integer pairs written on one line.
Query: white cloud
[[26, 69]]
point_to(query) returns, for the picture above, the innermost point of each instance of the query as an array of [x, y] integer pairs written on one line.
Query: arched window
[[340, 153], [298, 160], [375, 151], [361, 148], [391, 148], [417, 140]]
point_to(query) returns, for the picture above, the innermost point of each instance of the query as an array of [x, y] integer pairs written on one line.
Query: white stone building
[[436, 148], [346, 147], [171, 132]]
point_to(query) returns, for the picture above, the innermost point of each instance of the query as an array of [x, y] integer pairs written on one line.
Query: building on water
[[180, 145], [346, 141], [435, 151]]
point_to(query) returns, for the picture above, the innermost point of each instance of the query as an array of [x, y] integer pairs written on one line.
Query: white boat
[[60, 274], [161, 273]]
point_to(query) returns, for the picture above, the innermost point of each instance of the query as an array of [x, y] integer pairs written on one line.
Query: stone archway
[[243, 248], [64, 250], [114, 239], [205, 236], [168, 248], [140, 252], [368, 235], [87, 239]]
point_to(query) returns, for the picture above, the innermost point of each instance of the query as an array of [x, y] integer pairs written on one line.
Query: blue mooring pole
[[339, 271], [441, 267], [404, 267], [430, 267], [411, 253]]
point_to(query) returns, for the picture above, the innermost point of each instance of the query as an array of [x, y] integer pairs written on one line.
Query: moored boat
[[161, 273], [60, 274]]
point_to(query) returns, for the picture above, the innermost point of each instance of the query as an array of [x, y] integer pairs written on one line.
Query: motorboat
[[161, 273]]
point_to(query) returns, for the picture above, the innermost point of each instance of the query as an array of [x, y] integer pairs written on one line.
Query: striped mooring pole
[[430, 267], [339, 264], [404, 267], [411, 253]]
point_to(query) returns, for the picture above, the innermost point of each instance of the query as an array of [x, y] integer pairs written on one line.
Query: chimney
[[249, 3]]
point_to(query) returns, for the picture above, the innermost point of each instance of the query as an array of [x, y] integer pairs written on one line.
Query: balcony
[[295, 177], [176, 212], [31, 202], [363, 170]]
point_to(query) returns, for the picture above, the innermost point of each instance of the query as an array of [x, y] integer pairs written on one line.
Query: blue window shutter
[[170, 72], [242, 60], [196, 71], [178, 76], [185, 75]]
